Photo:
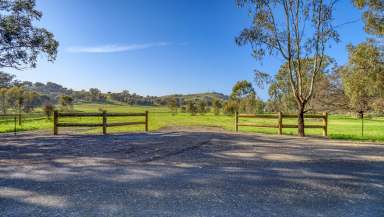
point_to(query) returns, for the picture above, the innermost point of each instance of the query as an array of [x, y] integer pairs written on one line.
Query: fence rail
[[279, 121], [104, 124]]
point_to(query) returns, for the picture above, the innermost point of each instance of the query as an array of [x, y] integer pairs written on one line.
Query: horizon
[[166, 50]]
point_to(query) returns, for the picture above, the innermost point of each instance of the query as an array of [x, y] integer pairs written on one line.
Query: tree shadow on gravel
[[188, 174]]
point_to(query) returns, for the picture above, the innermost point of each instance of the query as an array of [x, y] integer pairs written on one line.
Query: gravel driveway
[[189, 174]]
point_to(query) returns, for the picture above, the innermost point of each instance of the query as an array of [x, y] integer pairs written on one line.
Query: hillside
[[208, 96], [52, 91]]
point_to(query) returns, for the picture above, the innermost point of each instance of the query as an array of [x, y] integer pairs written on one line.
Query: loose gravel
[[188, 174]]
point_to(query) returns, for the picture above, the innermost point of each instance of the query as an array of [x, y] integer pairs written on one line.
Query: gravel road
[[189, 174]]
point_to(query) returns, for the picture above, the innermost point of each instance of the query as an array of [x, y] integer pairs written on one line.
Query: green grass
[[7, 126], [340, 127]]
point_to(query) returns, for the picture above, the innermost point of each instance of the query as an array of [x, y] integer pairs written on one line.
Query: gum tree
[[21, 41], [244, 96], [373, 15], [363, 78], [296, 30]]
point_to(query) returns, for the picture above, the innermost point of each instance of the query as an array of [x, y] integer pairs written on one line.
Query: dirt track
[[189, 174]]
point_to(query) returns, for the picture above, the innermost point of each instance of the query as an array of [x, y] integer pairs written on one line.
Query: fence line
[[104, 124], [19, 118], [279, 125]]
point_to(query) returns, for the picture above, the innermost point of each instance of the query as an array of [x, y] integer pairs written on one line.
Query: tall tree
[[191, 107], [217, 105], [280, 91], [201, 107], [296, 30], [3, 100], [363, 76], [373, 15], [230, 107], [172, 105], [244, 96], [15, 98], [66, 103], [242, 89], [21, 41], [6, 80], [95, 94]]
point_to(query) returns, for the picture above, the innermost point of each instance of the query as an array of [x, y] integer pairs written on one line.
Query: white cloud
[[113, 48]]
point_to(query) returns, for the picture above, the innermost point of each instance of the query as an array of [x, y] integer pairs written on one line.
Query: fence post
[[325, 123], [280, 123], [19, 119], [55, 122], [15, 123], [104, 122], [237, 121], [146, 121]]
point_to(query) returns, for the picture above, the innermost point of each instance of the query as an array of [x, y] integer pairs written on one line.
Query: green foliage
[[48, 109], [201, 107], [340, 127], [241, 90], [373, 15], [217, 105], [3, 100], [172, 105], [243, 99], [66, 103], [191, 107], [280, 90], [19, 99], [15, 98], [21, 41], [363, 77], [277, 27], [230, 107], [31, 101], [6, 80]]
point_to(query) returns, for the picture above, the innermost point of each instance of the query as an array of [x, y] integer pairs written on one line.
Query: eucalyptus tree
[[373, 15], [217, 105], [3, 100], [66, 103], [363, 77], [6, 80], [295, 30], [21, 41], [191, 107], [244, 96], [172, 104], [202, 107], [280, 90]]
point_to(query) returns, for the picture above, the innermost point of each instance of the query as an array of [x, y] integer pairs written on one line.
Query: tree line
[[25, 96], [299, 32]]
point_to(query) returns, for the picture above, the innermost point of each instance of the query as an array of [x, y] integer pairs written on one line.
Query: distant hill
[[208, 96], [53, 91]]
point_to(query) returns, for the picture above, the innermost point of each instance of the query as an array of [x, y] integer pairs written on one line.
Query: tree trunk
[[300, 121], [362, 122]]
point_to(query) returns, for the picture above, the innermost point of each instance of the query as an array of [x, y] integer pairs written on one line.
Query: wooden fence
[[279, 121], [104, 124]]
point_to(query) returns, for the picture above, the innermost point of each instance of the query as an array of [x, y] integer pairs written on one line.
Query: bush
[[48, 109]]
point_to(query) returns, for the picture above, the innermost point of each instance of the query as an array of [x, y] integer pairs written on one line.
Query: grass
[[340, 127]]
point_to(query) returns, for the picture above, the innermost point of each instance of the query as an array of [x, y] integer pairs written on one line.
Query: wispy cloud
[[113, 48]]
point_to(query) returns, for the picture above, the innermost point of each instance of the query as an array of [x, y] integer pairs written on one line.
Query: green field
[[340, 127]]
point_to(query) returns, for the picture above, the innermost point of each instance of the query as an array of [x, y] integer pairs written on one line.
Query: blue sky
[[159, 47]]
